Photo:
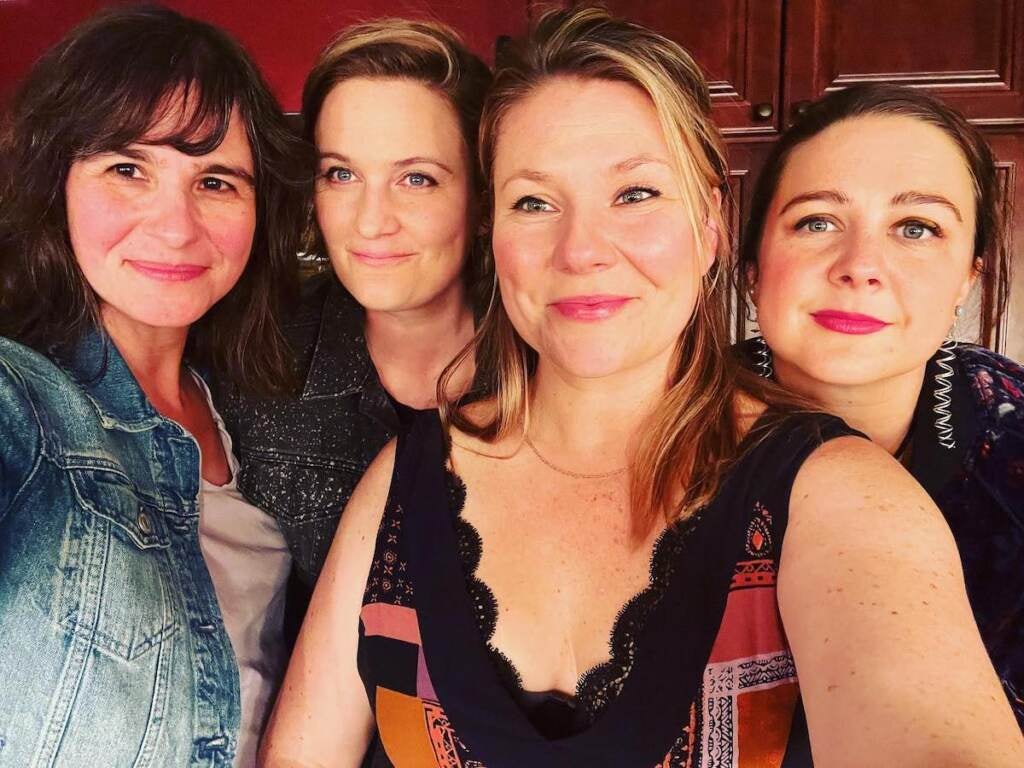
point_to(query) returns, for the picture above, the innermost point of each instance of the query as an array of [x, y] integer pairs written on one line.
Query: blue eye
[[816, 225], [918, 230], [637, 195], [338, 174], [420, 180], [530, 204]]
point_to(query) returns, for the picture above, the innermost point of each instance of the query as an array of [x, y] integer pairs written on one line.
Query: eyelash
[[935, 229], [649, 191], [117, 168]]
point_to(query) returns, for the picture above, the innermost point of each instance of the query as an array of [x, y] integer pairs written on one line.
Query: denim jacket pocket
[[117, 586]]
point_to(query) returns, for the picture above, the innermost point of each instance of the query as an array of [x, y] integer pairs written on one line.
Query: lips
[[379, 258], [174, 273], [852, 323], [590, 308]]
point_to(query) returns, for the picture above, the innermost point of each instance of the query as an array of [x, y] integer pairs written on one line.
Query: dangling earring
[[944, 385], [762, 352]]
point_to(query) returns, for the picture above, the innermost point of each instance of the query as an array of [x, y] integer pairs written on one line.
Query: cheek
[[438, 225], [97, 223], [333, 215], [661, 247], [232, 235]]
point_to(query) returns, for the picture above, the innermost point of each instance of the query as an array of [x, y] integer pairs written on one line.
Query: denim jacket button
[[145, 524]]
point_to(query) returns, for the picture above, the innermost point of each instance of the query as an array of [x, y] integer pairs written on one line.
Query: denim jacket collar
[[341, 363], [97, 365]]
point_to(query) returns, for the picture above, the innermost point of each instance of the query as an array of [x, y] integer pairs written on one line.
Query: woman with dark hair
[[631, 553], [392, 107], [873, 218], [147, 203]]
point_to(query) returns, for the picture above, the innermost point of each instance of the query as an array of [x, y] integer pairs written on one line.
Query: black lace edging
[[599, 685]]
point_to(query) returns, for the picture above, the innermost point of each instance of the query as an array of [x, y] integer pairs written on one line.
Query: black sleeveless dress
[[700, 672]]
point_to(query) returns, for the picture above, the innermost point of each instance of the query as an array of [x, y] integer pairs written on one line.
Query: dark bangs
[[146, 75]]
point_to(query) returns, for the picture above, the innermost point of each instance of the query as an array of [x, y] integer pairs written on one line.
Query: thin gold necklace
[[569, 472]]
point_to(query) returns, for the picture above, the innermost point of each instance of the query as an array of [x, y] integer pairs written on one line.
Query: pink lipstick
[[589, 308], [848, 322], [379, 258], [173, 273]]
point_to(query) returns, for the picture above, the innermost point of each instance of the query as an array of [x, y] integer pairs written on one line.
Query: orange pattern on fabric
[[403, 730], [765, 719], [395, 621]]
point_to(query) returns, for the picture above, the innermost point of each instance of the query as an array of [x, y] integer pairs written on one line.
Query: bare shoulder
[[366, 505], [872, 598]]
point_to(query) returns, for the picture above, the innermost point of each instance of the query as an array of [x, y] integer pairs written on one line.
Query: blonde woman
[[392, 107], [594, 567]]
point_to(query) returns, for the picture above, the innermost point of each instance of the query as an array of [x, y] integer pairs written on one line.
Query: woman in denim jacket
[[145, 214]]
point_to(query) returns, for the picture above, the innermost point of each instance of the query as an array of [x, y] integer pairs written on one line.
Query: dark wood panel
[[736, 42], [971, 52], [1006, 334]]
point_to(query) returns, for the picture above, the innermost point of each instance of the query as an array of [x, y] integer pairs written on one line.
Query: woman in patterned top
[[629, 489], [859, 269]]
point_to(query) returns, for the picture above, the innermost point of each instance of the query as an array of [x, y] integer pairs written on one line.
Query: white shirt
[[249, 564]]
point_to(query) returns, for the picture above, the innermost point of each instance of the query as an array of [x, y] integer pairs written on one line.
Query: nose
[[174, 218], [375, 214], [582, 245], [860, 262]]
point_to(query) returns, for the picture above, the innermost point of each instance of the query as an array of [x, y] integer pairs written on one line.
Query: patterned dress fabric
[[700, 673]]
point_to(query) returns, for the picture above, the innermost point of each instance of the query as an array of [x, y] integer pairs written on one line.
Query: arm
[[871, 593], [322, 716], [20, 440]]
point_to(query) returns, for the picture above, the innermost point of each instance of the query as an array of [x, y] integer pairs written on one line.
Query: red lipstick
[[848, 322], [173, 273], [589, 308]]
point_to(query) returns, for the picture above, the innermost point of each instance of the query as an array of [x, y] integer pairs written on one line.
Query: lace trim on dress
[[602, 683]]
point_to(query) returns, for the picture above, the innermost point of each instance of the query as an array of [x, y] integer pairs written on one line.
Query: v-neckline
[[650, 711]]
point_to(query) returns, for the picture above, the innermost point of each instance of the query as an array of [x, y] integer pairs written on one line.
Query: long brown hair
[[104, 86], [421, 51], [991, 242], [693, 435]]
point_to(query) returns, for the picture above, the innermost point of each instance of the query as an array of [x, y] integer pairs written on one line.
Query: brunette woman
[[627, 488], [147, 203], [871, 222], [392, 107]]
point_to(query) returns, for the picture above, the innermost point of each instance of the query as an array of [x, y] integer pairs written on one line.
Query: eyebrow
[[216, 168], [827, 195], [924, 198], [622, 166], [635, 162], [404, 163]]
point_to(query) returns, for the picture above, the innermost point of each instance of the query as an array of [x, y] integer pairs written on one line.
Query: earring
[[944, 385], [762, 352]]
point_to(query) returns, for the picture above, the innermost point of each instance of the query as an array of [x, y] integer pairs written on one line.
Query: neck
[[411, 348], [883, 410], [154, 356], [592, 423]]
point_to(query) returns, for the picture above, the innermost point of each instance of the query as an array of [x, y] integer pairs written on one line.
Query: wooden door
[[737, 44], [971, 52]]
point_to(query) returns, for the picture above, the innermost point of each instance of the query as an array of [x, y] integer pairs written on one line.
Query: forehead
[[883, 154], [394, 116], [568, 120]]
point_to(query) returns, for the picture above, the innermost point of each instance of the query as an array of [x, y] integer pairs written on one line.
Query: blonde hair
[[693, 434], [425, 52]]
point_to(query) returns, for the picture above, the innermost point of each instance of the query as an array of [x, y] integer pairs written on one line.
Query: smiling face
[[162, 236], [393, 192], [598, 265], [867, 250]]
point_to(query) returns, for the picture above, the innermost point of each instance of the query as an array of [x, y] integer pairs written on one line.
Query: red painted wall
[[284, 36]]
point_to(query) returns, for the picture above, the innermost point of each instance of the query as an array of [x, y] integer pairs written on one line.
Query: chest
[[561, 565]]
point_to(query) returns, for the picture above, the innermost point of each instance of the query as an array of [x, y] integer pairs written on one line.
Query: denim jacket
[[112, 646]]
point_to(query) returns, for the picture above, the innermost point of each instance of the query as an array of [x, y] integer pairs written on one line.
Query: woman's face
[[162, 236], [867, 250], [598, 264], [393, 192]]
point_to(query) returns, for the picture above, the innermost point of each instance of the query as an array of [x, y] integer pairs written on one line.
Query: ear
[[712, 235], [968, 283]]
